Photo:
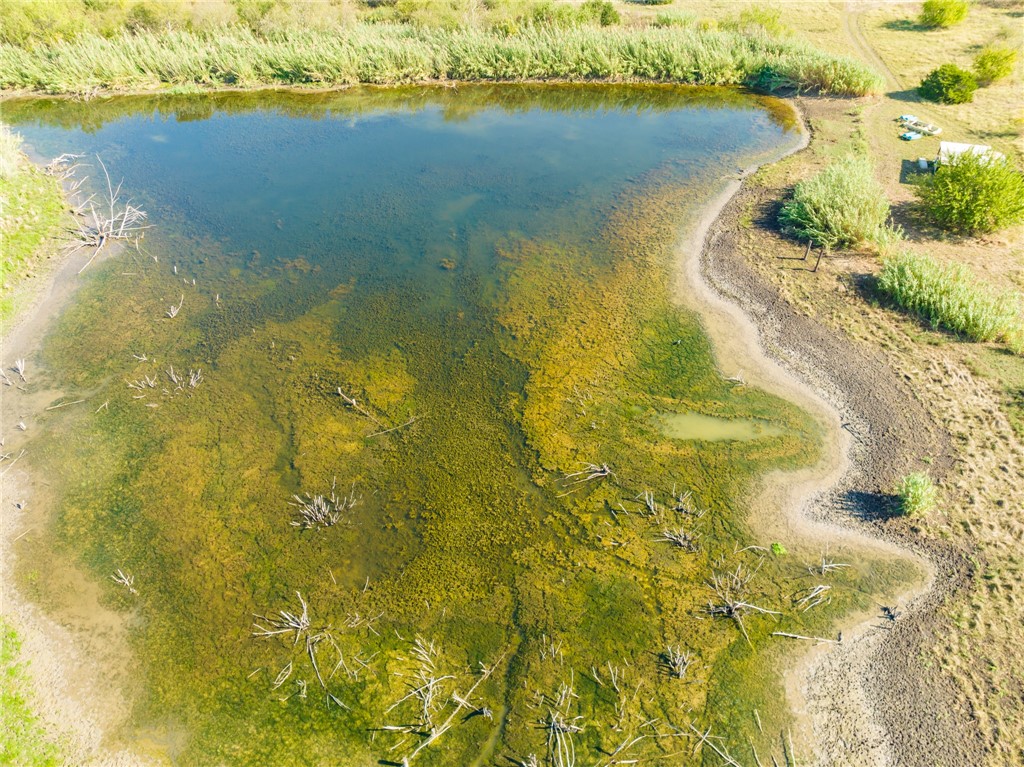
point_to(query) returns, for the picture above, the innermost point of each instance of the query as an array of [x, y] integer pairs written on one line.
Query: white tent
[[949, 150]]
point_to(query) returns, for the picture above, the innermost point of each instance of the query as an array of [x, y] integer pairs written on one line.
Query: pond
[[392, 482]]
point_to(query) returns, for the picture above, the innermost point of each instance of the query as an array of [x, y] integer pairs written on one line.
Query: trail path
[[851, 18], [868, 702]]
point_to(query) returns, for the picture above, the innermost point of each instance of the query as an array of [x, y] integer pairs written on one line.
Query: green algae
[[481, 390]]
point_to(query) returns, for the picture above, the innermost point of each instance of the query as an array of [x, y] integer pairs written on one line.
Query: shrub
[[765, 17], [842, 205], [950, 296], [973, 193], [601, 11], [27, 22], [917, 495], [778, 549], [949, 84], [148, 14], [675, 19], [252, 13], [564, 15], [994, 62], [650, 2], [943, 13]]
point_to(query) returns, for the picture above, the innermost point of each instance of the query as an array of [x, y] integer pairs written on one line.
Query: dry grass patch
[[911, 52]]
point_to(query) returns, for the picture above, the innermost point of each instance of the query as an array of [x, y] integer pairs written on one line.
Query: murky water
[[446, 313], [709, 428]]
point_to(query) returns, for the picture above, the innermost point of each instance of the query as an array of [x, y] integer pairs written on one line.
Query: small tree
[[839, 207], [601, 11], [917, 495], [949, 84], [943, 13], [994, 62], [973, 193]]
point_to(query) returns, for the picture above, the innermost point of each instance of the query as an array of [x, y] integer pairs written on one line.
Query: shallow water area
[[387, 485], [708, 428]]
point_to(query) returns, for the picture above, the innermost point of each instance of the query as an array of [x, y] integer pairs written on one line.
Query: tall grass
[[949, 296], [393, 53], [843, 205], [10, 152]]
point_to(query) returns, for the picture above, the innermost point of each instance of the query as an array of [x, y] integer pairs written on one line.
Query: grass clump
[[972, 194], [33, 206], [949, 296], [841, 206], [399, 53], [10, 153], [949, 84], [994, 62], [917, 494], [941, 14], [22, 740]]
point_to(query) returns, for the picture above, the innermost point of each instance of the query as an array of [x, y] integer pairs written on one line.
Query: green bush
[[766, 17], [28, 22], [550, 14], [154, 15], [841, 206], [650, 2], [917, 495], [675, 19], [950, 296], [943, 13], [994, 62], [949, 84], [973, 193], [601, 11]]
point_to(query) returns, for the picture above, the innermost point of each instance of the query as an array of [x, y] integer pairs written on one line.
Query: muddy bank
[[67, 679], [869, 700]]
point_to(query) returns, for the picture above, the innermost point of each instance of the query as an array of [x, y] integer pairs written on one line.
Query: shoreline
[[793, 493], [737, 340], [856, 699], [63, 674]]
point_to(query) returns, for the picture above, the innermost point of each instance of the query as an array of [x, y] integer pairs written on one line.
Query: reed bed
[[402, 53], [949, 296]]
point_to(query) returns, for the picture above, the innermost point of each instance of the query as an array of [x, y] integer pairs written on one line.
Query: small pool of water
[[709, 428]]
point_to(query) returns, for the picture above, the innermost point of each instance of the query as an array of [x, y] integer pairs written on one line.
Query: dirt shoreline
[[62, 671], [863, 702]]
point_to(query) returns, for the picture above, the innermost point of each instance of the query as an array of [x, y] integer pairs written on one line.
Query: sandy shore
[[77, 697]]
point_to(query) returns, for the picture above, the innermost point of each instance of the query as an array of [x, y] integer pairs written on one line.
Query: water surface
[[451, 307]]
